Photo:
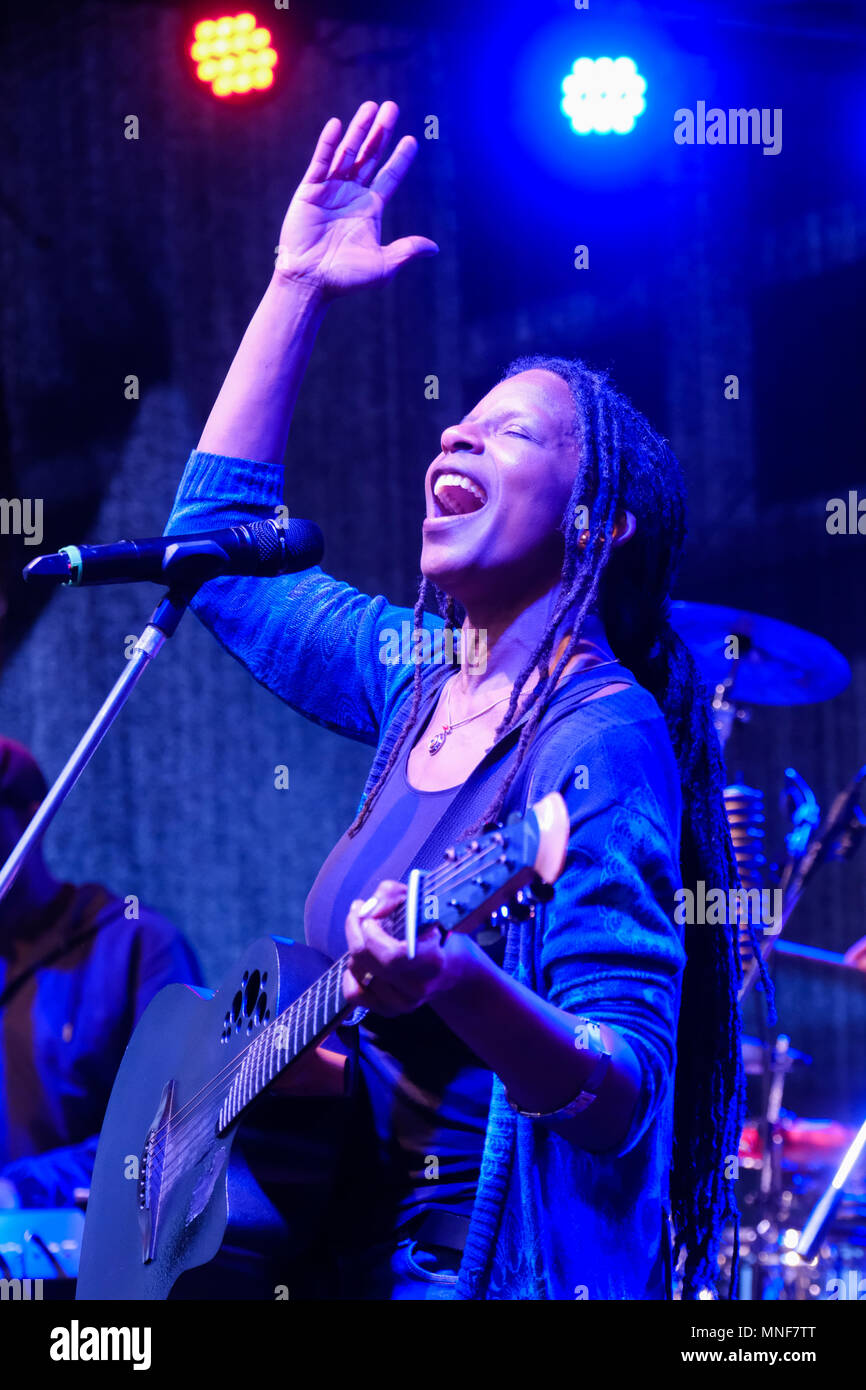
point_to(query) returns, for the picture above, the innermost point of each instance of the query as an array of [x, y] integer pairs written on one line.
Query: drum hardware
[[823, 1212], [725, 712], [771, 1265], [806, 1147], [790, 1246], [836, 839], [771, 1172], [755, 1057]]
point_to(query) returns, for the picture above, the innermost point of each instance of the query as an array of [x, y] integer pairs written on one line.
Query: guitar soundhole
[[251, 992], [249, 1006]]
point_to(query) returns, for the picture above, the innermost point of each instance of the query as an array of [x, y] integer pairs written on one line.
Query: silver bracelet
[[587, 1038]]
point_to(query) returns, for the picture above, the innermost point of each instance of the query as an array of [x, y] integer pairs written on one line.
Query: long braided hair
[[624, 465]]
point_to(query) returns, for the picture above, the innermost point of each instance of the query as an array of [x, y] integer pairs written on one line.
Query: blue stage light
[[601, 94]]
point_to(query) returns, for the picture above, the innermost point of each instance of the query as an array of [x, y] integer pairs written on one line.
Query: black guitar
[[162, 1189]]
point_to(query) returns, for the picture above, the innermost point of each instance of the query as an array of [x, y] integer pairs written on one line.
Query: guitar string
[[394, 919], [448, 872], [395, 922], [176, 1124]]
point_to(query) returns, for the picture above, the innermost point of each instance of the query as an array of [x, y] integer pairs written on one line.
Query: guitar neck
[[457, 895], [305, 1023]]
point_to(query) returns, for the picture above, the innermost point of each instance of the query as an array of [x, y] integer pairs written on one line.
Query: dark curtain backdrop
[[148, 257]]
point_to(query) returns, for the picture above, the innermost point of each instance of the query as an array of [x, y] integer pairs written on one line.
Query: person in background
[[76, 973]]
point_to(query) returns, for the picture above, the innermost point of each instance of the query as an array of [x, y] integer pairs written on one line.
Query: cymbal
[[778, 664], [753, 1056]]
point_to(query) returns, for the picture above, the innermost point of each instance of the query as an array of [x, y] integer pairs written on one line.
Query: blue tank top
[[428, 1093]]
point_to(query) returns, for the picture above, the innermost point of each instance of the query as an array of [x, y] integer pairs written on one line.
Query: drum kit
[[802, 1182]]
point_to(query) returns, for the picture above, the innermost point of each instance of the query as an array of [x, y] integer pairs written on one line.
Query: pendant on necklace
[[438, 740]]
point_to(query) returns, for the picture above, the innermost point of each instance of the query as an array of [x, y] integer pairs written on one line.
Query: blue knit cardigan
[[550, 1220]]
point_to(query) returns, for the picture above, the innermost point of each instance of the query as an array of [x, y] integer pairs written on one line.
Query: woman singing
[[543, 1109]]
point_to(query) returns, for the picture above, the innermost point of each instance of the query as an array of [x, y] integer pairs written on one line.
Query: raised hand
[[331, 234]]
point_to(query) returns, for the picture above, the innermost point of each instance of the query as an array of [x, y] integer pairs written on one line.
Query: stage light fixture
[[603, 95], [233, 55]]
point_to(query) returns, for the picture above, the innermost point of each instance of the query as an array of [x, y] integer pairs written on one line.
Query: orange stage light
[[233, 54]]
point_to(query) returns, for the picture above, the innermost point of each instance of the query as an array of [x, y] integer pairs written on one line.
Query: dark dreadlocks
[[625, 466]]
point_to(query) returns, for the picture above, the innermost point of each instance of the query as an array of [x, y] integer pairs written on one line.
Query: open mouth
[[455, 494]]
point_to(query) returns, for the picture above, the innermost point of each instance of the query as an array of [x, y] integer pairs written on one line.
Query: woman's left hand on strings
[[381, 977]]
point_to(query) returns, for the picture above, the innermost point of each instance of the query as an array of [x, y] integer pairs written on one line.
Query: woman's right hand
[[330, 238]]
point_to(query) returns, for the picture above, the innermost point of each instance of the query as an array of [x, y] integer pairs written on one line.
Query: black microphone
[[265, 548], [840, 834]]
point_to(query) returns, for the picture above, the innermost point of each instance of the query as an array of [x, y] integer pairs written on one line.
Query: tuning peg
[[521, 908], [542, 892], [490, 931]]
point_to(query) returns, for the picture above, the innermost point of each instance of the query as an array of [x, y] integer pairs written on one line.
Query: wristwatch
[[587, 1038]]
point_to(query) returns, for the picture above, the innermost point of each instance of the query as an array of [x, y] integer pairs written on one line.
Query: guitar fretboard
[[311, 1016], [315, 1013]]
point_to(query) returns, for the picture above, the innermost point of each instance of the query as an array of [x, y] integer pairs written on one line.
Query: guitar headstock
[[484, 873]]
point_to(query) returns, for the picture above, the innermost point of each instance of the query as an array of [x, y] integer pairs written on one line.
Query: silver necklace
[[438, 740]]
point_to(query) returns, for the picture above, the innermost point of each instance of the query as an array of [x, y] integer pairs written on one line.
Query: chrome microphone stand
[[162, 625]]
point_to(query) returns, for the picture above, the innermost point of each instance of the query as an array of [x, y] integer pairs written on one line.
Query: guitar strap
[[478, 789], [464, 810]]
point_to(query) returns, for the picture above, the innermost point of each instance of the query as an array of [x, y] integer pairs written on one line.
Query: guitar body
[[164, 1205], [179, 1181]]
